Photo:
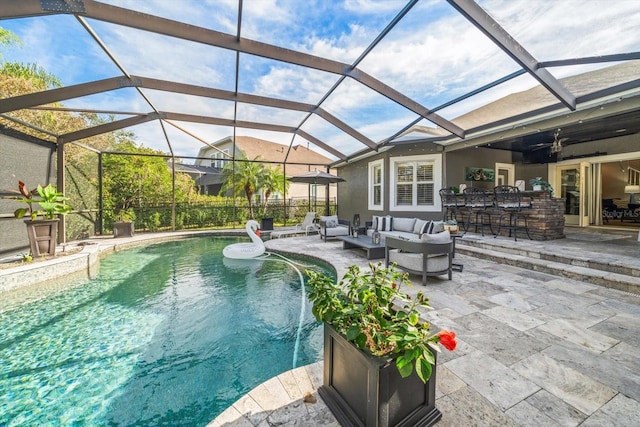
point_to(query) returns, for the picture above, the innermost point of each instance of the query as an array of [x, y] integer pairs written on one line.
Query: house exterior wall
[[23, 159], [353, 194]]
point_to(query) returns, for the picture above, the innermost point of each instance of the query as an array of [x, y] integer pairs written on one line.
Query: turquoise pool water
[[168, 334]]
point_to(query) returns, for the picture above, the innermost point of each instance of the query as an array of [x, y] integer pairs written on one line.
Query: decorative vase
[[43, 236], [537, 188], [364, 390]]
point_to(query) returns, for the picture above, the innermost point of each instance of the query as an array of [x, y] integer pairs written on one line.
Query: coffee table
[[364, 242]]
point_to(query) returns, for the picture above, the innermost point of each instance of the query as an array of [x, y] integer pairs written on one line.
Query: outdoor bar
[[545, 217]]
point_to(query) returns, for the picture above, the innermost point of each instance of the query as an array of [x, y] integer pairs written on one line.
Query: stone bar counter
[[545, 217]]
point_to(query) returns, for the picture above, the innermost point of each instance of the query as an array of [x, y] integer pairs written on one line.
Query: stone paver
[[534, 349]]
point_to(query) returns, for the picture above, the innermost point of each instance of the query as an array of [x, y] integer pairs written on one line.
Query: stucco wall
[[31, 161]]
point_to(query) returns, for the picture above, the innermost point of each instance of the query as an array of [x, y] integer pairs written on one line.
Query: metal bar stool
[[478, 201], [451, 202], [509, 199]]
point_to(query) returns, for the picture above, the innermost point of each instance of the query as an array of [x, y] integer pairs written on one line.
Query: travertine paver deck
[[534, 349]]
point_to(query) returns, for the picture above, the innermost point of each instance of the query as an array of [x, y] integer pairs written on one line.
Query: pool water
[[168, 334]]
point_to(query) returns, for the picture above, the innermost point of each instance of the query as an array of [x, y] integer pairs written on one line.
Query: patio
[[534, 348]]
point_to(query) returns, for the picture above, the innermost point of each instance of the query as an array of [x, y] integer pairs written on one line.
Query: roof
[[520, 104], [338, 76]]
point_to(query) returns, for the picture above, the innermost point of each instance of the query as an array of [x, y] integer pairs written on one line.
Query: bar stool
[[451, 202], [478, 201], [509, 199]]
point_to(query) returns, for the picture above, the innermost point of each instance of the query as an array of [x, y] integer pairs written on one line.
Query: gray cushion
[[331, 221], [418, 227], [340, 230], [436, 227], [401, 235], [404, 224], [442, 237], [413, 261]]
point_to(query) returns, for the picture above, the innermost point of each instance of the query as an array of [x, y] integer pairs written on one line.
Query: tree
[[247, 177], [273, 181]]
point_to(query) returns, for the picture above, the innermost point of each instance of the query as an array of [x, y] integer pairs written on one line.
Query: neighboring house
[[208, 179], [273, 155]]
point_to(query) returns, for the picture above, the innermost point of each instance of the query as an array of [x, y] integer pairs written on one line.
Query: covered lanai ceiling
[[344, 77]]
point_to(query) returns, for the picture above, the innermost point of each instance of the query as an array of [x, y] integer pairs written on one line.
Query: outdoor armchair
[[332, 226], [421, 257]]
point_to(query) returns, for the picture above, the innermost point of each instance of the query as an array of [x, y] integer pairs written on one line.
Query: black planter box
[[123, 229], [364, 390], [266, 224]]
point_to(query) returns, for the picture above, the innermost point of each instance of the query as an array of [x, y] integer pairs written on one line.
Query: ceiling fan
[[556, 145]]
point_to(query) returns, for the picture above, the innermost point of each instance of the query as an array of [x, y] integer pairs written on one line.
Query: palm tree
[[273, 181], [246, 176]]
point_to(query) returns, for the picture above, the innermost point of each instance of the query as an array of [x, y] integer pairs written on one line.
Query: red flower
[[448, 339]]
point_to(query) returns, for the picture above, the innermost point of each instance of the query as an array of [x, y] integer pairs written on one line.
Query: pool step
[[610, 275]]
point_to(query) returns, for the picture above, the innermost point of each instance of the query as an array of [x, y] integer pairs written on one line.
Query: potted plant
[[124, 226], [451, 225], [378, 354], [43, 233], [539, 184]]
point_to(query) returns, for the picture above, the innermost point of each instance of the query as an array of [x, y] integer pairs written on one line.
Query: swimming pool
[[168, 334]]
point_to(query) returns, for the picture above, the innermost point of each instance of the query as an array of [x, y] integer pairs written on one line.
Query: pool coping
[[86, 262]]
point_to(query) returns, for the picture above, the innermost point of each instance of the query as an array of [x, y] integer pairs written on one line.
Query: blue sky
[[433, 55]]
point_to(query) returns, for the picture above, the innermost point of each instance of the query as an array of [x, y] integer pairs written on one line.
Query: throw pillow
[[438, 227], [404, 224], [385, 223], [417, 227], [331, 221], [374, 222], [442, 237], [424, 228]]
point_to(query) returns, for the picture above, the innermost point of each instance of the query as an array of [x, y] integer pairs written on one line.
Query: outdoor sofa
[[400, 227]]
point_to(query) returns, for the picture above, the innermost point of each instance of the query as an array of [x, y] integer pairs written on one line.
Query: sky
[[432, 55]]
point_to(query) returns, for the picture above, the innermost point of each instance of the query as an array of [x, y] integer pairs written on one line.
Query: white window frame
[[218, 158], [436, 159], [371, 183]]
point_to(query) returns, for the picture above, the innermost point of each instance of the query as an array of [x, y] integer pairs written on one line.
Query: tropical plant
[[50, 201], [542, 183], [245, 177], [273, 181], [370, 309]]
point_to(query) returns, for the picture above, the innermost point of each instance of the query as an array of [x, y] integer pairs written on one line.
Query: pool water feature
[[168, 334]]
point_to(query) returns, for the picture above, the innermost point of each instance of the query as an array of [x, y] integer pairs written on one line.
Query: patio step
[[611, 275]]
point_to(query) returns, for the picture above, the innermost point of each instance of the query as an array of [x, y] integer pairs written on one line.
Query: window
[[415, 181], [376, 178], [217, 158]]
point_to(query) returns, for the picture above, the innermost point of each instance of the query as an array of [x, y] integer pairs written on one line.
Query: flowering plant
[[370, 309]]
